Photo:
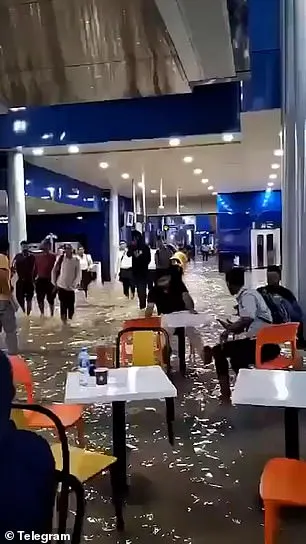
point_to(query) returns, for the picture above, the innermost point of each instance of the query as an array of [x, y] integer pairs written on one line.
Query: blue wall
[[237, 214]]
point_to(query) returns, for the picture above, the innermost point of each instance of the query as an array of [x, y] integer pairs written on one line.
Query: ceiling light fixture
[[80, 217], [153, 191], [273, 176], [41, 210], [125, 175], [270, 184], [275, 166], [204, 180], [188, 159], [198, 171], [227, 137], [174, 142], [215, 193], [104, 165], [210, 188], [161, 207], [164, 196], [73, 149], [278, 152], [140, 184], [38, 151]]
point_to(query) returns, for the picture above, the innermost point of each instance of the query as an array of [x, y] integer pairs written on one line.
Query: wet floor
[[204, 490]]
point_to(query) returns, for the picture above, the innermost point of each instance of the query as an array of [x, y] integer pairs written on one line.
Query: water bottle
[[83, 366]]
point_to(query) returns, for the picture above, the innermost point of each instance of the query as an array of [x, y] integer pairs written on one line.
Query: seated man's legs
[[241, 354]]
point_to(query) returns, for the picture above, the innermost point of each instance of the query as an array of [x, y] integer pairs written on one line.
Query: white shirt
[[152, 265], [70, 273], [124, 261], [251, 304], [86, 261]]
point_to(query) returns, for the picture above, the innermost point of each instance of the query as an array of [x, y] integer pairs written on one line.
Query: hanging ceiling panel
[[61, 51]]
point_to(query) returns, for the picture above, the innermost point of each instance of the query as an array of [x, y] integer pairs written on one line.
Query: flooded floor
[[205, 490]]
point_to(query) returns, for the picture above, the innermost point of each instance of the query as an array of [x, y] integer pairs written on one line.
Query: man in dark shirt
[[24, 266], [169, 295], [141, 257], [274, 289], [45, 262]]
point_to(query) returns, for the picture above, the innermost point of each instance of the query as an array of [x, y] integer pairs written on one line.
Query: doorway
[[265, 248]]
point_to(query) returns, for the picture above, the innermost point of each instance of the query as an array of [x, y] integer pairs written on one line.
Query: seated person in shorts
[[254, 314], [169, 295]]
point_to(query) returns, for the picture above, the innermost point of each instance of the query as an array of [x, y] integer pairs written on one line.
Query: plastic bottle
[[84, 359]]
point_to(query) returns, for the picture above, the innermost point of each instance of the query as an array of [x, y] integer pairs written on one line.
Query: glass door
[[265, 248]]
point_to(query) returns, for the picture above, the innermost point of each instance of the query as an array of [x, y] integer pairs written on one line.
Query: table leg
[[119, 443], [170, 419], [182, 350], [292, 433]]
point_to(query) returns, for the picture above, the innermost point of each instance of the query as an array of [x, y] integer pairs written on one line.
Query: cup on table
[[101, 376]]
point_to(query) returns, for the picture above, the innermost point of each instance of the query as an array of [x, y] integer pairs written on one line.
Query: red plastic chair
[[278, 334], [70, 415]]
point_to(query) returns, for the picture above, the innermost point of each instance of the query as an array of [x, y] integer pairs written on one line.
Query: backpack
[[163, 256], [278, 306]]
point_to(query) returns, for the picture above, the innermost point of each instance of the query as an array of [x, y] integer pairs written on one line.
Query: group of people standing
[[139, 266]]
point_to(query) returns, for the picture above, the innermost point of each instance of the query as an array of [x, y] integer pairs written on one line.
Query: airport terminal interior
[[147, 164]]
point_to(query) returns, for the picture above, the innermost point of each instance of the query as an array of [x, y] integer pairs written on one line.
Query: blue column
[[17, 226]]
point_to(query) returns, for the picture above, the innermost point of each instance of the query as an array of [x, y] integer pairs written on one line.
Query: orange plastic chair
[[148, 342], [278, 334], [70, 415], [283, 483]]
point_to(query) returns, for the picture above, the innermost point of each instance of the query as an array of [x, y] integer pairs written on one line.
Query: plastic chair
[[81, 465], [70, 415], [283, 483], [278, 334], [142, 342]]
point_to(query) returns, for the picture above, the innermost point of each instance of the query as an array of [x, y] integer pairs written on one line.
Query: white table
[[278, 388], [124, 384], [179, 321]]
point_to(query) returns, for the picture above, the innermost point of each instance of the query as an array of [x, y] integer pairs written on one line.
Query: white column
[[17, 223], [294, 167], [113, 233]]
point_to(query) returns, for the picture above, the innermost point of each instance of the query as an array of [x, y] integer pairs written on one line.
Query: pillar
[[293, 119], [17, 225], [113, 233]]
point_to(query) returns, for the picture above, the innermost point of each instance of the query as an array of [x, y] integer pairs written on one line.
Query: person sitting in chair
[[27, 469]]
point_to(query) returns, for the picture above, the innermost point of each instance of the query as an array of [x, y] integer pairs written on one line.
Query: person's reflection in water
[[27, 469]]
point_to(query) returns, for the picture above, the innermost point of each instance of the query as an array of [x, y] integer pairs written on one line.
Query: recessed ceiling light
[[275, 166], [28, 182], [278, 152], [188, 159], [161, 207], [204, 180], [273, 176], [197, 171], [125, 175], [182, 206], [210, 188], [41, 210], [80, 217], [140, 184], [174, 142], [38, 151], [104, 165], [227, 137], [215, 193], [164, 196], [153, 191], [270, 184], [73, 149]]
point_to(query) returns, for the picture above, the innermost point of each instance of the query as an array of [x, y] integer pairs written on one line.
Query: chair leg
[[80, 433], [117, 498], [271, 522]]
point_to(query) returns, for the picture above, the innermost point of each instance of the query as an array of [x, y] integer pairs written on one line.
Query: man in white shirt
[[254, 314], [66, 276], [86, 264]]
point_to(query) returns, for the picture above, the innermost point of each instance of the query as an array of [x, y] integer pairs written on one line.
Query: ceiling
[[243, 165]]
